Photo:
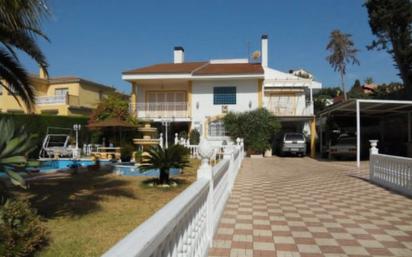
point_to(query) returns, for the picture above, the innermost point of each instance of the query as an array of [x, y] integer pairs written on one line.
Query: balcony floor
[[304, 207]]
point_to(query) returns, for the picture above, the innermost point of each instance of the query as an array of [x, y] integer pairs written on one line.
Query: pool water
[[132, 170]]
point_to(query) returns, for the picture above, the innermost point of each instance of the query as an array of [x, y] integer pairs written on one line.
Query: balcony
[[161, 110], [291, 111], [57, 100]]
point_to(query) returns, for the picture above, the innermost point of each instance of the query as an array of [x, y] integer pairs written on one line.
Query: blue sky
[[98, 39]]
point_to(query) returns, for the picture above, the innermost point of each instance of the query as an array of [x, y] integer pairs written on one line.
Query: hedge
[[38, 124]]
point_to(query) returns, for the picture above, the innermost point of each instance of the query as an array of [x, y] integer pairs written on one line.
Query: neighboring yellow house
[[59, 96]]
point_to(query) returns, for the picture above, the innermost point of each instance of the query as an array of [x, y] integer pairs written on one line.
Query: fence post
[[205, 172], [161, 140], [373, 149]]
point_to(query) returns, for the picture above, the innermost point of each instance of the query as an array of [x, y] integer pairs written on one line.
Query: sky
[[98, 39]]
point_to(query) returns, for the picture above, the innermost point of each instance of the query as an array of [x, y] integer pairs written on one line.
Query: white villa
[[196, 95]]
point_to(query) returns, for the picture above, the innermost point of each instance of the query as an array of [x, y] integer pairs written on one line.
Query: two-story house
[[196, 95], [59, 96]]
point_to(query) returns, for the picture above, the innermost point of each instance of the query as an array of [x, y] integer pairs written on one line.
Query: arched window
[[217, 128]]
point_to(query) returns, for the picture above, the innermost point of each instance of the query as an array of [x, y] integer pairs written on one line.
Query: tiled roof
[[230, 68], [199, 69], [162, 68]]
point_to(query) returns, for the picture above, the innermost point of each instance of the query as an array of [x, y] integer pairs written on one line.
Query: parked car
[[292, 143], [345, 147]]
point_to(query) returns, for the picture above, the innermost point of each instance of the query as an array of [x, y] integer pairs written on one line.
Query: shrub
[[21, 232], [257, 128], [194, 137], [127, 152], [163, 159], [182, 134]]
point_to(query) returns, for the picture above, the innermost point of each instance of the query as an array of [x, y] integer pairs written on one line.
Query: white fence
[[391, 171], [186, 225]]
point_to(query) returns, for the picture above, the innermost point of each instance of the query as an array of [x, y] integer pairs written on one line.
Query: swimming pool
[[48, 166], [132, 170]]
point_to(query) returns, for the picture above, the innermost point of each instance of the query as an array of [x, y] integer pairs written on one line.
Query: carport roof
[[369, 107]]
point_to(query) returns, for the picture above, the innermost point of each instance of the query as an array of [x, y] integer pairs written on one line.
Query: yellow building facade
[[67, 96]]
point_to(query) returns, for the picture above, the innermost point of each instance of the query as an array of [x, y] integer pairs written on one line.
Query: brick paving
[[302, 207]]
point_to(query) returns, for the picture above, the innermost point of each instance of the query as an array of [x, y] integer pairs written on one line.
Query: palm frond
[[17, 79]]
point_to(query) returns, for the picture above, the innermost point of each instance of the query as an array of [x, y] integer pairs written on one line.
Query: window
[[217, 129], [224, 95], [61, 91]]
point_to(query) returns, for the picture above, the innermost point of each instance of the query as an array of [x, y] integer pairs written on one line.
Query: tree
[[114, 106], [256, 127], [163, 159], [324, 97], [19, 27], [342, 51], [357, 92], [391, 23], [369, 80]]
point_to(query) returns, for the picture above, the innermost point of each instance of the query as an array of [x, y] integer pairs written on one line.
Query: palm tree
[[342, 51], [176, 156], [19, 27]]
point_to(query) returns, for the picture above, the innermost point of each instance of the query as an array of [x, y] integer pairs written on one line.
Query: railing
[[154, 110], [58, 99], [290, 111], [186, 225], [394, 172]]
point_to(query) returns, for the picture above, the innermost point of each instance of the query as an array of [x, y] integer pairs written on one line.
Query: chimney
[[264, 50], [179, 54], [43, 73]]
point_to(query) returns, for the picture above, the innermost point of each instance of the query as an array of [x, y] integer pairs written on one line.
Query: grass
[[88, 213]]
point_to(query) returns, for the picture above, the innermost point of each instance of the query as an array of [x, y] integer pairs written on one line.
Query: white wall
[[202, 98]]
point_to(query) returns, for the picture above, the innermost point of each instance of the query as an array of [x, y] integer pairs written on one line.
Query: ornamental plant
[[15, 145], [163, 159], [257, 128]]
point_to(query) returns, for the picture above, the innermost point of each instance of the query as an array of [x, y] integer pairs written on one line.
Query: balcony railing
[[154, 110], [58, 99], [291, 111]]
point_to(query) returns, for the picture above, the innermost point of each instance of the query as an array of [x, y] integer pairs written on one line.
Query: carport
[[366, 107]]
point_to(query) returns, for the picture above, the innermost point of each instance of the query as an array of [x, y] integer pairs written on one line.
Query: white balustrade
[[57, 99], [161, 109], [394, 172], [186, 225]]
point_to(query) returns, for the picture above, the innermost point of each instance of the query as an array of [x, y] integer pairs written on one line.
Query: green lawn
[[89, 212]]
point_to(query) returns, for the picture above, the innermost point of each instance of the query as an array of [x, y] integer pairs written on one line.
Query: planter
[[268, 153], [256, 156]]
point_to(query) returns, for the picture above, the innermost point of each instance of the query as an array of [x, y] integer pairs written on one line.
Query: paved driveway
[[303, 207]]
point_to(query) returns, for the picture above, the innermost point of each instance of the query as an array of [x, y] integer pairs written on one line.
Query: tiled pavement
[[303, 207]]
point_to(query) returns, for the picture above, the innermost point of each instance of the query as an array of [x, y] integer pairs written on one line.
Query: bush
[[257, 128], [127, 152], [194, 137], [21, 232]]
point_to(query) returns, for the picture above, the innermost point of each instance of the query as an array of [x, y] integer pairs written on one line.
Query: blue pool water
[[131, 170]]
